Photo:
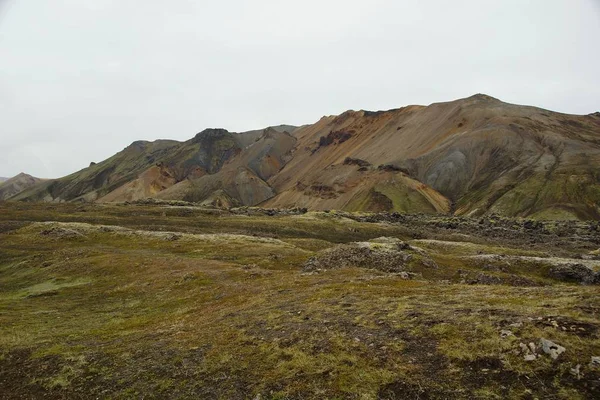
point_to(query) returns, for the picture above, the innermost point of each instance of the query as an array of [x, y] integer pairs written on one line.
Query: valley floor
[[174, 301]]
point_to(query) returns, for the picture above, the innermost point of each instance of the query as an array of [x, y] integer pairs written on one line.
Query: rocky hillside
[[471, 156], [9, 187]]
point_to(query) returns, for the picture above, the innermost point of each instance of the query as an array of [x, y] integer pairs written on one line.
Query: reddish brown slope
[[480, 153]]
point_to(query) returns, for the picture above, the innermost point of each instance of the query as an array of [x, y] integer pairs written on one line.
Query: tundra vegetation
[[171, 300]]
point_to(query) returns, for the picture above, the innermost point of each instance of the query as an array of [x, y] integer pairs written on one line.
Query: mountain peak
[[137, 145], [482, 97], [211, 132]]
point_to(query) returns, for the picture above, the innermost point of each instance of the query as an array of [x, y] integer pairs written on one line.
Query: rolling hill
[[10, 187], [470, 156]]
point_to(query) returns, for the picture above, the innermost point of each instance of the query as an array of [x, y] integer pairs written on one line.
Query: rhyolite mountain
[[471, 156], [10, 187]]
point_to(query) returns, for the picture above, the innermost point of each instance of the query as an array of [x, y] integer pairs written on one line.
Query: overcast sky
[[81, 79]]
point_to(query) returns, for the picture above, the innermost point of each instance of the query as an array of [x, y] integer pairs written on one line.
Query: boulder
[[578, 273], [552, 349]]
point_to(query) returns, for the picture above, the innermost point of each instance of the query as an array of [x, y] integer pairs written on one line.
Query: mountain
[[478, 154], [10, 187], [3, 179], [195, 167], [470, 156]]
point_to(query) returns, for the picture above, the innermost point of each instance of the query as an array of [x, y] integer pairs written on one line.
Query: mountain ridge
[[469, 156]]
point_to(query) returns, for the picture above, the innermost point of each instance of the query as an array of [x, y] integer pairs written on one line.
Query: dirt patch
[[16, 370], [401, 390], [570, 325]]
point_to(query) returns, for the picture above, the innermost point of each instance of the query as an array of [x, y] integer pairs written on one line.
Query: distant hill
[[470, 156], [3, 179], [15, 185]]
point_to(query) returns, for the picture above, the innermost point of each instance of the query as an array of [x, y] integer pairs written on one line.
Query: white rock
[[551, 348], [528, 353], [524, 347], [595, 362], [404, 275], [505, 333], [576, 372]]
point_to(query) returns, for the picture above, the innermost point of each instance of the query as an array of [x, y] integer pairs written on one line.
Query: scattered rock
[[532, 347], [504, 333], [528, 352], [271, 212], [61, 233], [172, 236], [576, 372], [404, 275], [551, 348], [566, 324], [533, 225], [335, 137], [393, 242], [380, 254], [356, 161], [393, 168], [152, 201]]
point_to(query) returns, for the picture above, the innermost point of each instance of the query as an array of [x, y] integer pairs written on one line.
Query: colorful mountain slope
[[470, 156]]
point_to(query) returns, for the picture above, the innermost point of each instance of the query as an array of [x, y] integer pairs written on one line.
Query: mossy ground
[[223, 309]]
